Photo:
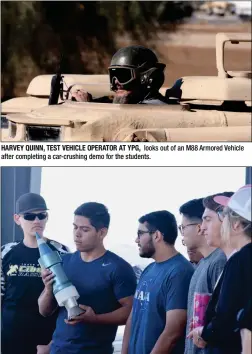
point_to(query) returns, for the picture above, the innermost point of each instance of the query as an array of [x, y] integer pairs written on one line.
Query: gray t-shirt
[[203, 282]]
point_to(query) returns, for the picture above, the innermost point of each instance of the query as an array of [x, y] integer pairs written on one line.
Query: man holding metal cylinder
[[23, 328], [105, 286]]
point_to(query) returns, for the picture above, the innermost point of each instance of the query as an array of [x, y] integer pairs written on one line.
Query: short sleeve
[[124, 281], [176, 290]]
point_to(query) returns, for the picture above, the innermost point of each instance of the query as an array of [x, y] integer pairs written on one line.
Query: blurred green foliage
[[35, 33]]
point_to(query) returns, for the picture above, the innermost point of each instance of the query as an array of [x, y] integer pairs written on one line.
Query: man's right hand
[[48, 279]]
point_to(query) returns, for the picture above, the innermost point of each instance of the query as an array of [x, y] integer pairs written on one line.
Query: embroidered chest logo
[[24, 270]]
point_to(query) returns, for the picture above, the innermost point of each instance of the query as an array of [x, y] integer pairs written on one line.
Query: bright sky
[[128, 192]]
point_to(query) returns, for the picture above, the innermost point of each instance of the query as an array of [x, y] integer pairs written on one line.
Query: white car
[[243, 8]]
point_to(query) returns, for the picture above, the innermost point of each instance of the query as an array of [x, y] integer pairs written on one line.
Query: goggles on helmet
[[123, 75]]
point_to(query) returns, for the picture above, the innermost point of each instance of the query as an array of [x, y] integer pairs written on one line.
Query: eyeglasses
[[141, 232], [183, 227], [32, 216]]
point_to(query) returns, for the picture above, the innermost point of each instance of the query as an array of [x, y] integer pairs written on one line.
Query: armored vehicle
[[201, 108]]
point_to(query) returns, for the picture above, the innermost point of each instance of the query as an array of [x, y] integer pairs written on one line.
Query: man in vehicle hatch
[[105, 282], [135, 76], [24, 330]]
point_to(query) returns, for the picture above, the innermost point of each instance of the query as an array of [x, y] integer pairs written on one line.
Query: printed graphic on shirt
[[12, 266], [142, 295], [4, 250], [12, 269], [24, 270]]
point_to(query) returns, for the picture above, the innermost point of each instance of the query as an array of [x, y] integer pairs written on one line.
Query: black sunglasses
[[32, 217]]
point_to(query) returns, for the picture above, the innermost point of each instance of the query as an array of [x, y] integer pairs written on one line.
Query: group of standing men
[[177, 306]]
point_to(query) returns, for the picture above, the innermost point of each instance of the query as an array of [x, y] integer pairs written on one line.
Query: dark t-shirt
[[233, 292], [100, 284], [155, 99], [22, 327], [161, 288]]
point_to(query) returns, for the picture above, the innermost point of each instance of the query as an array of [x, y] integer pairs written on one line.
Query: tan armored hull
[[84, 122]]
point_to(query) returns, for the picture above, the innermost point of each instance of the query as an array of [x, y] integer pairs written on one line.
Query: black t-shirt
[[21, 286], [233, 292]]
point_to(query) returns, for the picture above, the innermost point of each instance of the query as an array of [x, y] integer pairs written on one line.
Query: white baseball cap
[[240, 202]]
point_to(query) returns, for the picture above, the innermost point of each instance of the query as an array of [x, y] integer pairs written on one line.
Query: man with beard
[[135, 76], [158, 317], [105, 282]]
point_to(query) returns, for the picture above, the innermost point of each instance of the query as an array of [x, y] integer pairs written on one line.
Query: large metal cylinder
[[63, 290]]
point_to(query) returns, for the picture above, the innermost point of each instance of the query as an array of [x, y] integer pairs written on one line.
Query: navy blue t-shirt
[[100, 284], [162, 287]]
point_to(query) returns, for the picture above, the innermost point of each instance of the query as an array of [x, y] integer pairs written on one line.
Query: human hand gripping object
[[63, 290]]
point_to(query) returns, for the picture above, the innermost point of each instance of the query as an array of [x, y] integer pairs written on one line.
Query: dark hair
[[209, 202], [164, 222], [97, 214], [193, 209]]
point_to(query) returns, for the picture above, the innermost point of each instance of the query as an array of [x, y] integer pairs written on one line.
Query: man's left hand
[[88, 316], [195, 335]]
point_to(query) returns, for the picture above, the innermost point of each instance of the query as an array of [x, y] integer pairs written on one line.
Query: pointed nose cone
[[42, 245]]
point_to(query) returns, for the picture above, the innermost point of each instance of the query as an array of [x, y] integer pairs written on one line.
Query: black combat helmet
[[136, 66]]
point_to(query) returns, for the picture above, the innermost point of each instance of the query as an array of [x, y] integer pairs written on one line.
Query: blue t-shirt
[[162, 287], [100, 284]]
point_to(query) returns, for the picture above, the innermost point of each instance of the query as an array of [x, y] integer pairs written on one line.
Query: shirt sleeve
[[176, 290], [124, 281], [244, 317], [223, 324], [4, 250]]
